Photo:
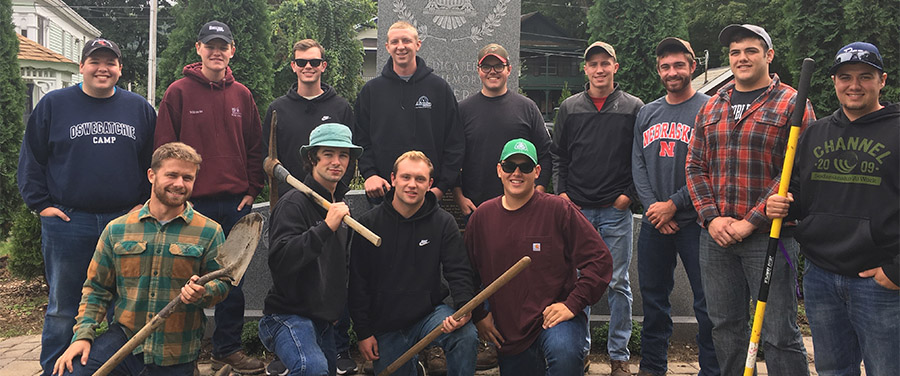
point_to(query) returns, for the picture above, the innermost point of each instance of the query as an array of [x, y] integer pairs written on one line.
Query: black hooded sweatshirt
[[394, 116], [297, 117], [846, 187], [397, 284], [308, 261]]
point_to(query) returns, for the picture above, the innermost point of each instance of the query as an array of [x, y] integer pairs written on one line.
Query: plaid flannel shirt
[[146, 264], [734, 166]]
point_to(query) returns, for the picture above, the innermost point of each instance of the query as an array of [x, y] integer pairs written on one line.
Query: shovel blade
[[237, 251]]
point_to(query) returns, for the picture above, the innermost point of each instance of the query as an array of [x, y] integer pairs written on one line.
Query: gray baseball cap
[[728, 32]]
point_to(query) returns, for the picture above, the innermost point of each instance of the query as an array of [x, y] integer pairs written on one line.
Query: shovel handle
[[154, 323], [464, 310]]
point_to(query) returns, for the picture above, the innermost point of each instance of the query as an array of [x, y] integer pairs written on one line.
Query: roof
[[31, 50], [712, 80]]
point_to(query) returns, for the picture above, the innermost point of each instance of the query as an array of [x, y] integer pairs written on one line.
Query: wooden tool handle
[[464, 310]]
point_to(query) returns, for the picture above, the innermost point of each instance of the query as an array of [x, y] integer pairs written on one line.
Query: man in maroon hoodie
[[210, 111]]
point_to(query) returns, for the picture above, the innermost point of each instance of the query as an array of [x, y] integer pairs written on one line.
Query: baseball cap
[[98, 43], [605, 46], [728, 32], [494, 50], [332, 134], [677, 43], [858, 52], [519, 146], [215, 29]]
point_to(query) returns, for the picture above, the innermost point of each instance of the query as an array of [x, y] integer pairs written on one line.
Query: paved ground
[[19, 357]]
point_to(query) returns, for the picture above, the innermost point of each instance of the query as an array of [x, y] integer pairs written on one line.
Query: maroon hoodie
[[221, 121]]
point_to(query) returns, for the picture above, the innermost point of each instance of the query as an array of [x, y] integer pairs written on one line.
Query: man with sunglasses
[[407, 107], [490, 118], [216, 115], [537, 320], [592, 166], [844, 189], [734, 164], [309, 103]]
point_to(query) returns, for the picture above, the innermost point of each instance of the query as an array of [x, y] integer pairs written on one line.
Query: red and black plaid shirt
[[734, 165]]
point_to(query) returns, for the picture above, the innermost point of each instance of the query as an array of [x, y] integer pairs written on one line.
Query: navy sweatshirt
[[87, 153]]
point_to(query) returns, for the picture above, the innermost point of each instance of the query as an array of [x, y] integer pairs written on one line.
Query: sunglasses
[[857, 55], [510, 167], [312, 62], [486, 68]]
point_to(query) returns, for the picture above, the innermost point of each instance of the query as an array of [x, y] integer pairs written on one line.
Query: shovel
[[234, 257]]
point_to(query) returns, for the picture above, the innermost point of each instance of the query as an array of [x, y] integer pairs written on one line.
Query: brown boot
[[434, 360], [240, 363], [487, 356], [619, 368]]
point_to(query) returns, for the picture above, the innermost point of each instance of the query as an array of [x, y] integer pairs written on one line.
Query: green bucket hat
[[519, 146], [332, 134]]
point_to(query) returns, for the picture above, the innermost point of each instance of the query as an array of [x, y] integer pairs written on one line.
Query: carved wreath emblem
[[451, 14]]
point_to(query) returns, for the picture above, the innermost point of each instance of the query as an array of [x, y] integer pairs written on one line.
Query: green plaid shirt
[[146, 264]]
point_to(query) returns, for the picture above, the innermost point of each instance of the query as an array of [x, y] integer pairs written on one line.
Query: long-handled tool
[[464, 310], [775, 233], [273, 155], [274, 168], [234, 256]]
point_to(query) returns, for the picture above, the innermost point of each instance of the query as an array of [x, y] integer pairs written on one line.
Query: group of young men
[[705, 169]]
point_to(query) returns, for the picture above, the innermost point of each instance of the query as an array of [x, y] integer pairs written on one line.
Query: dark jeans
[[67, 248], [229, 316], [341, 335], [657, 257], [106, 345]]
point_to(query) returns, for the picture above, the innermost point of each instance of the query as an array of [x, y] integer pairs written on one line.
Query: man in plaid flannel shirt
[[147, 258], [734, 164]]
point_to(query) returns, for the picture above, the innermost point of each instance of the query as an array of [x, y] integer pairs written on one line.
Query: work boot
[[487, 356], [345, 364], [434, 360], [276, 368], [619, 368], [240, 363]]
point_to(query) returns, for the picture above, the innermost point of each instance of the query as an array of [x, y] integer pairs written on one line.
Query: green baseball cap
[[519, 146], [332, 134]]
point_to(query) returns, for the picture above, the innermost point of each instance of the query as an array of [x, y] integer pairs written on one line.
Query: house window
[[24, 33]]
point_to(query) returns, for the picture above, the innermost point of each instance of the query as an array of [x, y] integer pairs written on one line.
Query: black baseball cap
[[98, 43], [858, 52], [215, 30]]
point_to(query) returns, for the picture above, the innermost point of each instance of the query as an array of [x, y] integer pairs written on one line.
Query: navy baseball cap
[[858, 52], [215, 30]]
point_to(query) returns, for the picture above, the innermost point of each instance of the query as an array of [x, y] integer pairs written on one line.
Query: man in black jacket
[[396, 292], [308, 258]]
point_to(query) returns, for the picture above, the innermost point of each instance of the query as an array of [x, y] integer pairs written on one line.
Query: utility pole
[[151, 60]]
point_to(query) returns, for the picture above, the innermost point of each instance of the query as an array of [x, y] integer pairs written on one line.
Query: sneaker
[[420, 369], [434, 360], [345, 364], [487, 356], [240, 363], [276, 368], [619, 368]]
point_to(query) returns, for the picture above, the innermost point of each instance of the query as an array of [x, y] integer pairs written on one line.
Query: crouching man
[[395, 290], [140, 261]]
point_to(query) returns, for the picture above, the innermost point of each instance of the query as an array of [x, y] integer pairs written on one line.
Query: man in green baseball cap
[[308, 252]]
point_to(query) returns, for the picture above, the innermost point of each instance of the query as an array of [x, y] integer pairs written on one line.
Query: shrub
[[25, 258], [600, 334], [250, 338]]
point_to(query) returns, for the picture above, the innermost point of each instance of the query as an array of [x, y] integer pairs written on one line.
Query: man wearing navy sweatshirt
[[83, 163], [210, 111]]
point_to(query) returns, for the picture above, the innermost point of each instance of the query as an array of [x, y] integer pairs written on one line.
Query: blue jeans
[[460, 346], [615, 227], [657, 257], [852, 319], [67, 248], [106, 345], [305, 346], [556, 351], [229, 315], [731, 279]]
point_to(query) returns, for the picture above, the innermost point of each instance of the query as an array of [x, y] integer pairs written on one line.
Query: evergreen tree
[[12, 102], [252, 30], [634, 28], [814, 28], [333, 24], [570, 15]]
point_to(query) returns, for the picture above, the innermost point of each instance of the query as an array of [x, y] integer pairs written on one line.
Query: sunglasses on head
[[510, 167], [312, 62], [857, 55]]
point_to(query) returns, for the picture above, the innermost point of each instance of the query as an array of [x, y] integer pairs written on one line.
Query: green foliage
[[250, 24], [634, 28], [25, 258], [600, 334], [570, 15], [12, 101], [333, 24], [250, 338]]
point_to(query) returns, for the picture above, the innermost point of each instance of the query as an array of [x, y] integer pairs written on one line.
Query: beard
[[164, 197], [677, 86]]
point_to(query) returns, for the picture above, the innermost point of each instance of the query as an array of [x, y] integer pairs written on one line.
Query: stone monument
[[452, 32]]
